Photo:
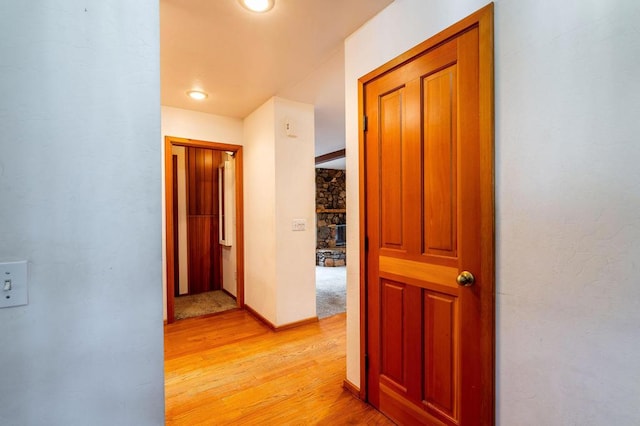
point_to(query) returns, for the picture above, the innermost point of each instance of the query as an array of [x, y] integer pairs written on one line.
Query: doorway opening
[[204, 227], [331, 231]]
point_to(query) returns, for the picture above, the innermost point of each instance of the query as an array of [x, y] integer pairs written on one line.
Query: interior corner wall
[[260, 211], [80, 184], [295, 199], [204, 127], [278, 188], [567, 205]]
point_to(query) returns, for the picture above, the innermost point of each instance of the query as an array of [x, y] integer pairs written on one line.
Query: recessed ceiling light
[[197, 95], [257, 5]]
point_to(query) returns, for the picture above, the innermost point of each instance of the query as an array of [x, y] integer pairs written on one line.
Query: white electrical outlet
[[13, 283], [299, 224]]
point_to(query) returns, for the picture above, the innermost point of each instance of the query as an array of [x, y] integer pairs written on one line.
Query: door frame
[[169, 143], [483, 20]]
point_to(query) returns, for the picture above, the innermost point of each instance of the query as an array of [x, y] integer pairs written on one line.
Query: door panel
[[393, 337], [202, 166], [391, 169], [203, 269], [440, 385], [439, 139], [428, 217]]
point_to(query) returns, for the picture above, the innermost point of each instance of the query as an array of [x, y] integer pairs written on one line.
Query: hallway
[[231, 369]]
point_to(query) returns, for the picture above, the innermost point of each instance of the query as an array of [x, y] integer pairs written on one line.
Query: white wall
[[295, 199], [568, 209], [279, 187], [201, 126], [259, 211], [205, 127], [80, 185]]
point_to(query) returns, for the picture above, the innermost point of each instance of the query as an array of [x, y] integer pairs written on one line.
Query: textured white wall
[[567, 199], [80, 199], [568, 191], [183, 123]]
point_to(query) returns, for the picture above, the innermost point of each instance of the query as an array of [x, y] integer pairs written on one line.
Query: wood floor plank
[[231, 369]]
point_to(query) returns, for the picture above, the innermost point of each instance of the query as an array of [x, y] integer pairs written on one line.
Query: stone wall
[[326, 229], [331, 204], [331, 189]]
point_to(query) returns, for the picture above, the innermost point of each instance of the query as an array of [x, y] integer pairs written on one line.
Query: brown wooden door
[[204, 254], [429, 217]]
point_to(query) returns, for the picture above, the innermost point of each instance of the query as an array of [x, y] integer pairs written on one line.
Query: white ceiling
[[337, 164], [241, 58]]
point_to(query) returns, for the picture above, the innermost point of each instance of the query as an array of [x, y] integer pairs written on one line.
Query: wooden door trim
[[169, 142], [483, 20]]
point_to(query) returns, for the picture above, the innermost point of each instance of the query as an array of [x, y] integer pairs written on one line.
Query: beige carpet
[[331, 290], [203, 304]]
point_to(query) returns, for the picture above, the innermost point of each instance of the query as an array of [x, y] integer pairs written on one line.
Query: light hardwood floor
[[231, 369]]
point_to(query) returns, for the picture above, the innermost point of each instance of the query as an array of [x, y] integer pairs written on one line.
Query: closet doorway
[[204, 233]]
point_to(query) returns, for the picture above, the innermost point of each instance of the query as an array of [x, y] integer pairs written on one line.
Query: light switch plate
[[290, 128], [13, 283], [299, 224]]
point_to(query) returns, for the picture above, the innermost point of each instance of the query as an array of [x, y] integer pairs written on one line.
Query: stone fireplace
[[331, 217]]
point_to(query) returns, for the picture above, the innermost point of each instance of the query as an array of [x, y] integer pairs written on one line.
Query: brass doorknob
[[466, 278]]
